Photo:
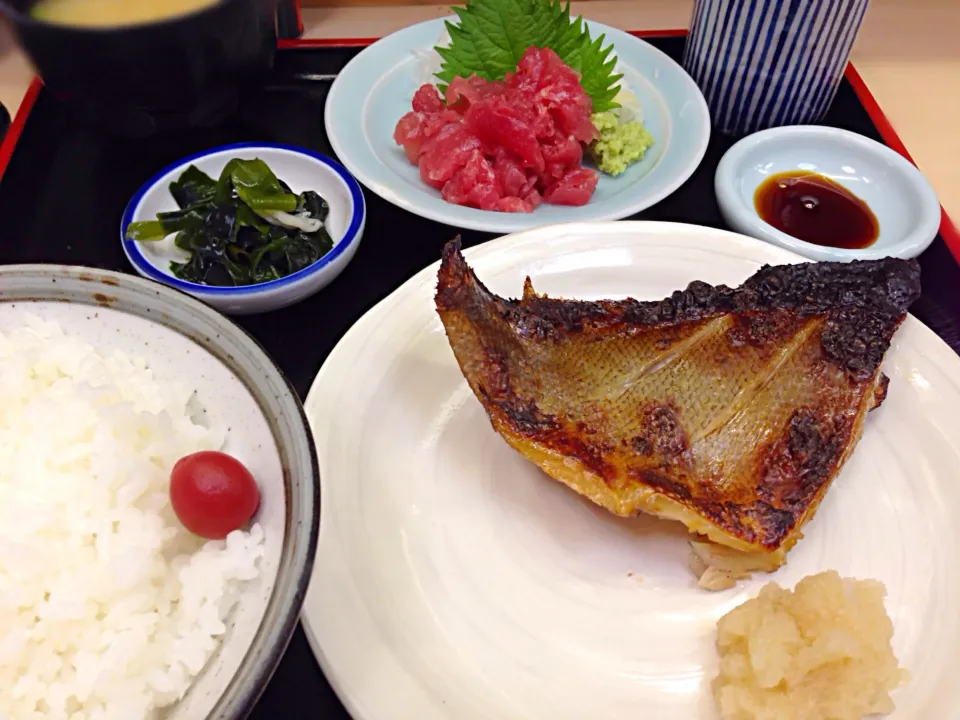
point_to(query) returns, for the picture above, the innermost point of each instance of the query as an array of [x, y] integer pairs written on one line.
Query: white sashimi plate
[[376, 88], [455, 580]]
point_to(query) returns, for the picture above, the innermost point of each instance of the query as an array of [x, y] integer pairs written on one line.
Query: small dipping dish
[[902, 201]]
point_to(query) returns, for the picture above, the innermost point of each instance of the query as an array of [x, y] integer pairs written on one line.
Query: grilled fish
[[730, 410]]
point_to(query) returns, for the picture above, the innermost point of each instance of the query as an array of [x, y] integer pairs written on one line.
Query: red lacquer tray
[[64, 187]]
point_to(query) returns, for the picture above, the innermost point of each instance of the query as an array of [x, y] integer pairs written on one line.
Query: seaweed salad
[[245, 228]]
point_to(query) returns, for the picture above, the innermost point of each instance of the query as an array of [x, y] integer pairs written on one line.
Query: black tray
[[65, 187]]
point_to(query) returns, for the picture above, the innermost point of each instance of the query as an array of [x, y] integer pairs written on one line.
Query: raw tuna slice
[[433, 123], [570, 114], [474, 185], [427, 99], [532, 197], [514, 204], [510, 174], [407, 134], [507, 145], [498, 125], [574, 188], [561, 154], [462, 90], [447, 152]]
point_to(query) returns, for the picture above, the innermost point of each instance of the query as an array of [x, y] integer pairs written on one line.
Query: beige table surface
[[907, 51]]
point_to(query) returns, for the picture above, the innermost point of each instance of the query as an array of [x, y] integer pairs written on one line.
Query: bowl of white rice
[[109, 608]]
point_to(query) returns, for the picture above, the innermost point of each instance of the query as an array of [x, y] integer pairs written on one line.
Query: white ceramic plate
[[455, 580], [375, 90]]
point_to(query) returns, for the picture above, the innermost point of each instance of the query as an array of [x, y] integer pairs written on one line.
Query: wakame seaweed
[[244, 228]]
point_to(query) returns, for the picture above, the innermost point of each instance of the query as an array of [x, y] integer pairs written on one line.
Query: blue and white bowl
[[302, 170], [906, 207]]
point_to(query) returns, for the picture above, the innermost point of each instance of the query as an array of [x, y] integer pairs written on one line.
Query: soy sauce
[[816, 209]]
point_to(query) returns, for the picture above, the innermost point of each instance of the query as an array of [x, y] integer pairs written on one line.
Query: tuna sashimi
[[513, 204], [574, 188], [559, 155], [499, 125], [427, 100], [474, 185], [407, 134], [512, 178], [446, 153], [506, 145]]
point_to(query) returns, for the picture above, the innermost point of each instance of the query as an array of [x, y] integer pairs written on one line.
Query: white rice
[[108, 607], [429, 63]]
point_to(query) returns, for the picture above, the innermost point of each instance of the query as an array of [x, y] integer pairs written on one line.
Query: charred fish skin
[[865, 300], [729, 409]]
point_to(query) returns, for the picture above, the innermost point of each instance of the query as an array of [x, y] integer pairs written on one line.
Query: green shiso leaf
[[492, 35]]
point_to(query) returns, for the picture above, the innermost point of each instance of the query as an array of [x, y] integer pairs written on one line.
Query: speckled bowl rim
[[270, 388]]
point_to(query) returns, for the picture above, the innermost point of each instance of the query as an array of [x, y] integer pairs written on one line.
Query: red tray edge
[[296, 8], [948, 230], [19, 121]]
